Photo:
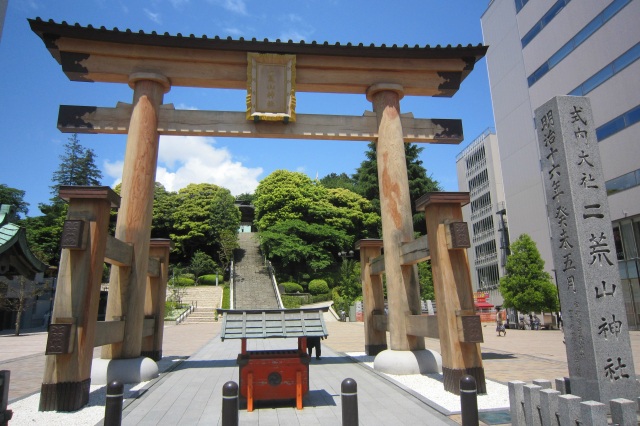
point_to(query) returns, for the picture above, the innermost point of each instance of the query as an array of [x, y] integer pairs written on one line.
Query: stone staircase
[[252, 285], [207, 298]]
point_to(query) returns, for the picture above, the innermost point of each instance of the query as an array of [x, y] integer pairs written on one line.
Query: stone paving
[[521, 355]]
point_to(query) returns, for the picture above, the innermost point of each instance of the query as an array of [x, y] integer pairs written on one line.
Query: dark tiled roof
[[272, 323], [47, 29]]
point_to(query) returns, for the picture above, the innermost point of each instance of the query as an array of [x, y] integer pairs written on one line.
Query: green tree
[[77, 167], [14, 197], [527, 287], [303, 225], [164, 205], [425, 278], [366, 178], [342, 180], [203, 212], [20, 296], [202, 263]]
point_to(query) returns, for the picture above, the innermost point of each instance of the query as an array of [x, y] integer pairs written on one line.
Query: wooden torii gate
[[151, 64]]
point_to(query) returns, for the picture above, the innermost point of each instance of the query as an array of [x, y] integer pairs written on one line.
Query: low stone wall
[[538, 404]]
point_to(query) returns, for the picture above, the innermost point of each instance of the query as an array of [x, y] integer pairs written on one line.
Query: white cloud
[[292, 35], [236, 6], [155, 17], [177, 4], [189, 159]]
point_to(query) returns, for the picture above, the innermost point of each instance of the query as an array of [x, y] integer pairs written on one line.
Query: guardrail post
[[113, 405], [623, 412], [5, 415], [516, 402], [469, 400], [349, 390], [230, 404]]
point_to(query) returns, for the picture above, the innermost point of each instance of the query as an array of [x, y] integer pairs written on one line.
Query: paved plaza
[[198, 363]]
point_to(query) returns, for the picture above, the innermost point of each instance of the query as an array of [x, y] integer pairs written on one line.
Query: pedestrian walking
[[499, 324], [314, 342]]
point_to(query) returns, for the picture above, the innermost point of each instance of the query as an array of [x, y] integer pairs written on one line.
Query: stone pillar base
[[451, 378], [403, 363], [373, 350], [65, 396], [129, 370]]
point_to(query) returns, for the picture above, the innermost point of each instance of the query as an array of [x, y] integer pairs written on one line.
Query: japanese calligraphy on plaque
[[597, 334], [271, 87]]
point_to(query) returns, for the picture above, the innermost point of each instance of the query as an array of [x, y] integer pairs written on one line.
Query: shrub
[[318, 287], [290, 287], [291, 302], [209, 279], [183, 281], [320, 298], [226, 297]]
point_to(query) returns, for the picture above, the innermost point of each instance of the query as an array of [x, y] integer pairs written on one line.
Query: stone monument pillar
[[596, 329]]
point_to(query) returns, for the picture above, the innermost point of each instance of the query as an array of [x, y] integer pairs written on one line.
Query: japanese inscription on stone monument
[[597, 335]]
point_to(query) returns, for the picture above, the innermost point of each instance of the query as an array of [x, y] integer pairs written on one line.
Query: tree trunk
[[19, 315]]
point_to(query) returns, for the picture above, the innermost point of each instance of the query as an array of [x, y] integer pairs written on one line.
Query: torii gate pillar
[[127, 285], [403, 288]]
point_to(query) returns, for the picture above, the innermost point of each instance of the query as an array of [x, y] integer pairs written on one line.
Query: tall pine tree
[[77, 167], [366, 181]]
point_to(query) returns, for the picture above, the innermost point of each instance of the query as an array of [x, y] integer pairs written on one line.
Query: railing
[[232, 273], [186, 313], [274, 283]]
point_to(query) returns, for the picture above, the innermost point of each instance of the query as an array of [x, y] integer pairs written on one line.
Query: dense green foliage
[[527, 287], [291, 302], [290, 287], [333, 180], [318, 286], [203, 212], [201, 263], [303, 225], [226, 297], [366, 181], [14, 197], [426, 281], [209, 279]]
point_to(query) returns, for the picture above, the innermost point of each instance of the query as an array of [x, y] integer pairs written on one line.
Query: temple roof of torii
[[102, 55]]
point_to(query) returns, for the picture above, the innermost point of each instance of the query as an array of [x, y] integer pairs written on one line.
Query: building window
[[619, 123], [608, 71], [586, 32], [544, 21], [520, 4], [626, 181]]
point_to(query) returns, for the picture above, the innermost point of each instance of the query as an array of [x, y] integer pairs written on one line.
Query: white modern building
[[479, 173], [542, 48]]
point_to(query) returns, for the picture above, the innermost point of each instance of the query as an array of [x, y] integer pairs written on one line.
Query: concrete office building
[[542, 48], [479, 173]]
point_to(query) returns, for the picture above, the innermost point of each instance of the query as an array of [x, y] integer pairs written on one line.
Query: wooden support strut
[[452, 286]]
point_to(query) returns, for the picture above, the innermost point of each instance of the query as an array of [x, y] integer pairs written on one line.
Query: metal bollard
[[349, 390], [469, 401], [5, 415], [113, 405], [230, 404]]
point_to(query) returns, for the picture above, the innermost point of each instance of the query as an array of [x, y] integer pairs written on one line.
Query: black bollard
[[5, 415], [469, 400], [230, 404], [113, 405], [349, 390]]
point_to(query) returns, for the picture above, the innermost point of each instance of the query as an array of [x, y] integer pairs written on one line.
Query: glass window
[[560, 54], [597, 79], [621, 183], [633, 116], [613, 9], [626, 58], [627, 238], [589, 29], [618, 242], [610, 128]]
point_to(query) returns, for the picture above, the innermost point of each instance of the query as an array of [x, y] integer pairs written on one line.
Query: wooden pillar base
[[65, 396], [373, 350], [452, 378], [154, 355]]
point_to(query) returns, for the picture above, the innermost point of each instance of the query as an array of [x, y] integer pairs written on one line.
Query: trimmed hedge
[[226, 297], [184, 281], [290, 287], [209, 279], [291, 302], [318, 287]]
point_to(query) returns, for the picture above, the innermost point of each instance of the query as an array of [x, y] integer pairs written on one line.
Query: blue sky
[[33, 86]]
